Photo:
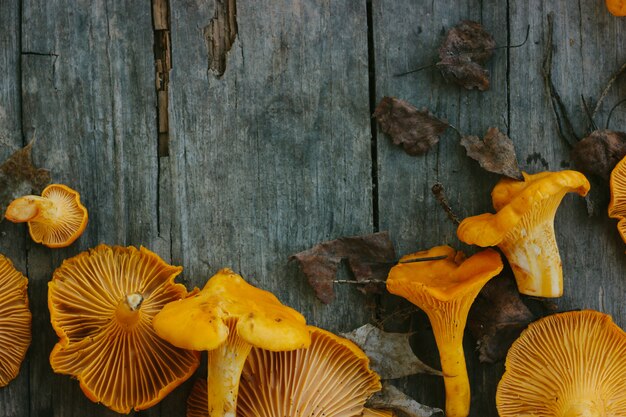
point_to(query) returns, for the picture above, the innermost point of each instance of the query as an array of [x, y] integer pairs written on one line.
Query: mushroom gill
[[56, 219], [523, 228], [15, 320], [566, 365], [330, 378], [102, 303]]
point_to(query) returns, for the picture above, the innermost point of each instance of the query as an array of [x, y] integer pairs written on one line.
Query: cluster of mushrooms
[[130, 334]]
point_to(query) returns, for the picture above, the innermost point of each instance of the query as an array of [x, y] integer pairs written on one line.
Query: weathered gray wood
[[89, 94], [273, 156], [14, 397], [407, 35]]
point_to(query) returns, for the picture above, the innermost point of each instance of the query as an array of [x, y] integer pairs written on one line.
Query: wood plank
[[587, 51], [407, 35], [89, 93], [273, 156], [14, 397]]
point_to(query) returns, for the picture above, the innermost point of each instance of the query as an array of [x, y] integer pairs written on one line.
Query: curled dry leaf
[[598, 153], [391, 398], [369, 257], [495, 153], [415, 130], [390, 354], [464, 51], [19, 177], [497, 318]]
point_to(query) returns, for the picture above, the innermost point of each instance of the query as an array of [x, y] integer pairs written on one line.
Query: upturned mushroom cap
[[15, 320], [617, 205], [200, 321], [616, 7], [445, 289], [102, 304], [523, 227], [370, 412], [330, 378], [566, 365], [56, 219]]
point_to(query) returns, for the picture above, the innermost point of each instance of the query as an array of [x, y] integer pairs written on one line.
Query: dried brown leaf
[[391, 398], [495, 153], [369, 257], [497, 318], [464, 51], [415, 130], [19, 177], [598, 153], [390, 354]]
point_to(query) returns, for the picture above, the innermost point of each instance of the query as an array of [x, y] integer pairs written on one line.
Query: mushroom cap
[[445, 279], [515, 201], [199, 321], [617, 205], [616, 7], [197, 405], [330, 378], [102, 303], [371, 412], [15, 320], [66, 223], [568, 365]]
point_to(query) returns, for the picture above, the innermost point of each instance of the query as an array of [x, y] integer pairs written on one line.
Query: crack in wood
[[220, 35], [163, 65]]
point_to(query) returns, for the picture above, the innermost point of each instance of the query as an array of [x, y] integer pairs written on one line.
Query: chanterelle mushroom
[[15, 321], [617, 205], [56, 219], [330, 378], [523, 228], [566, 365], [227, 318], [102, 304], [445, 289]]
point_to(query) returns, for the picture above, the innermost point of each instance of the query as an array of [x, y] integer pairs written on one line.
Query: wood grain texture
[[14, 398], [275, 155], [407, 35]]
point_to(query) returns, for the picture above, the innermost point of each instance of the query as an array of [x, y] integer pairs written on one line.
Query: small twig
[[414, 70], [440, 195], [426, 259], [558, 109], [608, 119], [606, 90], [365, 281], [588, 113], [518, 45]]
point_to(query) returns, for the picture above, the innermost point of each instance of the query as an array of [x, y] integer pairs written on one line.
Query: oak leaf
[[390, 354], [369, 257], [495, 153], [598, 153], [415, 130], [464, 51]]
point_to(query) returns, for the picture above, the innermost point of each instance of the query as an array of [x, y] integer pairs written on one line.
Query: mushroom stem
[[448, 326], [30, 207], [535, 260], [127, 312], [225, 365]]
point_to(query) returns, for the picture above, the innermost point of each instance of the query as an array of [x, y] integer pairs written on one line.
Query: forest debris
[[598, 153], [391, 398], [369, 257], [415, 130], [497, 318], [390, 354], [18, 177], [495, 153], [464, 51], [440, 195]]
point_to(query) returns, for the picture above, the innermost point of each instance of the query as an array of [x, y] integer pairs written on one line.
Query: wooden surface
[[278, 153]]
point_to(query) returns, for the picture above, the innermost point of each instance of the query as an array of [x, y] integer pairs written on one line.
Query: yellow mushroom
[[329, 378], [228, 318], [445, 289], [523, 228], [566, 365], [55, 219]]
